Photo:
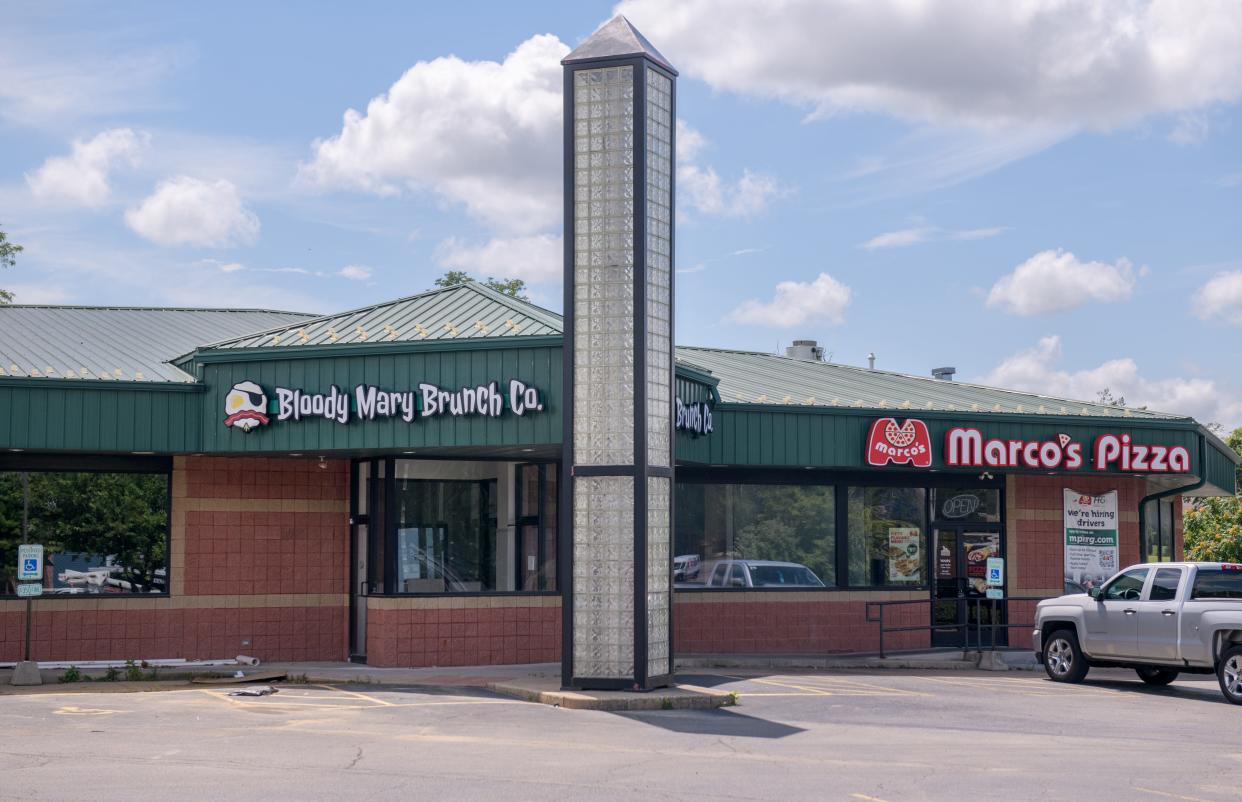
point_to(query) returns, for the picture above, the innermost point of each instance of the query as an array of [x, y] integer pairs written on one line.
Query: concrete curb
[[679, 697]]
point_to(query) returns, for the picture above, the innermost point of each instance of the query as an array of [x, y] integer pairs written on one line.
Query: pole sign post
[[29, 562]]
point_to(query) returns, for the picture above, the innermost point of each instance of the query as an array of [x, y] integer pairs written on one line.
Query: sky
[[1046, 195]]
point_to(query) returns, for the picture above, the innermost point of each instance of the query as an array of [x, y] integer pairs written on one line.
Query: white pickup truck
[[1158, 618]]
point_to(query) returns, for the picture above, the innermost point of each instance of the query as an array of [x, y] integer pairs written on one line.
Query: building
[[459, 477], [382, 484]]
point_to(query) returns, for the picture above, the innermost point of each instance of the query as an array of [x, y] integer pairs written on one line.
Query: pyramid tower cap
[[617, 38]]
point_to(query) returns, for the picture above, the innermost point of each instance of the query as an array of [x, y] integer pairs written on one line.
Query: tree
[[1212, 527], [8, 258], [514, 287]]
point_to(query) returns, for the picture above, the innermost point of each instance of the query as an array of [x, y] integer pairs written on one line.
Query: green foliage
[[8, 258], [133, 672], [71, 675], [111, 675], [1212, 527], [514, 287], [122, 515]]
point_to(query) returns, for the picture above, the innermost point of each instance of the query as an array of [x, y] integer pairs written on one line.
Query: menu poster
[[905, 558], [1090, 538]]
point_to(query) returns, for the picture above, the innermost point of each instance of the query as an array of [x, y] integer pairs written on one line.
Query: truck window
[[718, 576], [1217, 584], [1164, 586], [1128, 586]]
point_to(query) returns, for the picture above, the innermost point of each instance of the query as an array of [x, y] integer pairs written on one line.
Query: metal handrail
[[964, 625]]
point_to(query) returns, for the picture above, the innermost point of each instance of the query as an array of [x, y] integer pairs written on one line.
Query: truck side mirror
[[1097, 593]]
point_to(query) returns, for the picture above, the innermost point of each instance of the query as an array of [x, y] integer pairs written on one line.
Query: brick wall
[[259, 554], [463, 631], [740, 622], [1035, 533]]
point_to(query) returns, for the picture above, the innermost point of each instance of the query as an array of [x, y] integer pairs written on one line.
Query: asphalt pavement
[[874, 736]]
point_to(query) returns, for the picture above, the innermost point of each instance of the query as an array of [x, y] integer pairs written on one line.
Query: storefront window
[[968, 505], [102, 533], [754, 535], [469, 527], [446, 536], [1158, 532], [887, 537]]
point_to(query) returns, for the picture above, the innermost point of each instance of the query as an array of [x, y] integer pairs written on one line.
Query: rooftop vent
[[944, 374], [806, 350]]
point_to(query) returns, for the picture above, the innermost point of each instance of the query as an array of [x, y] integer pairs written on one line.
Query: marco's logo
[[907, 444]]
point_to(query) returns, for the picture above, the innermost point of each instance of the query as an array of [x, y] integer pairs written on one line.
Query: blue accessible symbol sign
[[29, 561], [996, 571]]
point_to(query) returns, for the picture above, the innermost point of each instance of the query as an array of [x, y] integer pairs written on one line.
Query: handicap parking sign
[[29, 561], [996, 571]]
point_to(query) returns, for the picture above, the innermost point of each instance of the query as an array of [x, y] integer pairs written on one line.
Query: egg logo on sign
[[245, 406]]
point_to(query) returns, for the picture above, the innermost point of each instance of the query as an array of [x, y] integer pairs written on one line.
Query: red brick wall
[[417, 632], [759, 623], [259, 554]]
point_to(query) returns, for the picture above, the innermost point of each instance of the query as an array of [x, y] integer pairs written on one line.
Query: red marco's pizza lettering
[[907, 444], [1116, 453]]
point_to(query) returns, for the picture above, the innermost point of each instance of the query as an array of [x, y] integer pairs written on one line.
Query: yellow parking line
[[1170, 796], [357, 695], [810, 691]]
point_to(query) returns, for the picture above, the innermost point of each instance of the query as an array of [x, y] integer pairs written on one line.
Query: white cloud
[[481, 133], [1037, 370], [1082, 63], [1221, 298], [535, 259], [919, 234], [1191, 129], [355, 272], [819, 302], [701, 188], [54, 81], [82, 177], [899, 239], [1056, 281], [189, 211], [690, 142]]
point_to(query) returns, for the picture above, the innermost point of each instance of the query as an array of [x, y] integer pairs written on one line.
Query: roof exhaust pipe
[[944, 374]]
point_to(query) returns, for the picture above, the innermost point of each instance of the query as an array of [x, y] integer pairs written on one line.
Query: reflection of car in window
[[686, 567], [762, 574]]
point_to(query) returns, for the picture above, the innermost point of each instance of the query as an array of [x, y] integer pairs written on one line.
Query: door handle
[[1167, 612], [1130, 611]]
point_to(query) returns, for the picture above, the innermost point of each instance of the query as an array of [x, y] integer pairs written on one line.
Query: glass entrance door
[[960, 559]]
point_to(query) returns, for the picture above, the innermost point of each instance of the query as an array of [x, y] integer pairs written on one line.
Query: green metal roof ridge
[[1142, 412], [538, 313]]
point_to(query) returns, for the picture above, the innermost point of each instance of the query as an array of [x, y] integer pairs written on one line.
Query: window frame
[[1151, 587], [388, 527], [841, 481], [101, 463]]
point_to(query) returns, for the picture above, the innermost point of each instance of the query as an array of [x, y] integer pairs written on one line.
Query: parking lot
[[880, 735]]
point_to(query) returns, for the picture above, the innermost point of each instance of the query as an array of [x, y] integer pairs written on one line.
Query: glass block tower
[[620, 110]]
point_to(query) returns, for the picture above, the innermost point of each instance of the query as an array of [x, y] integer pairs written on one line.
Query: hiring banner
[[1090, 538]]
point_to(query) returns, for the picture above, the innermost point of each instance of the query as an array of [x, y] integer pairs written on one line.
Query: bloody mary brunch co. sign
[[909, 443], [246, 406]]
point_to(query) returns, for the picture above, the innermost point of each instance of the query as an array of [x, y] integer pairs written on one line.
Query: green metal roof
[[116, 343], [468, 311], [749, 377]]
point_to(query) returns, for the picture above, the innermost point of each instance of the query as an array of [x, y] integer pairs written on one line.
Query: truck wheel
[[1229, 672], [1063, 660], [1156, 676]]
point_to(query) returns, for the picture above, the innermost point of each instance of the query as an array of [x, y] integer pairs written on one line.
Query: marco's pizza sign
[[910, 444]]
